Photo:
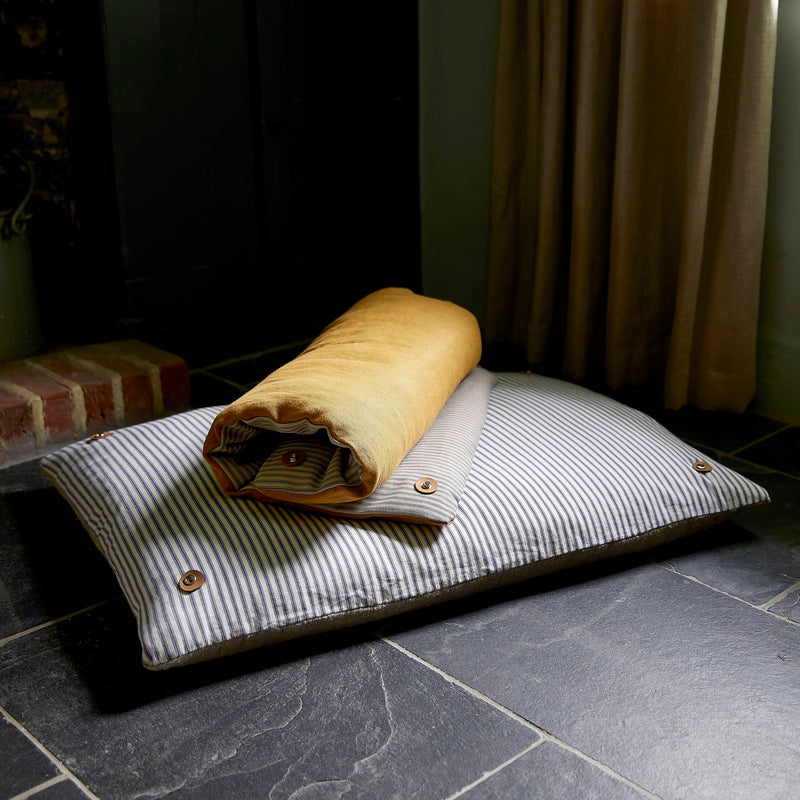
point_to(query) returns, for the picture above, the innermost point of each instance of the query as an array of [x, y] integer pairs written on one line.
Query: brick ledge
[[49, 400]]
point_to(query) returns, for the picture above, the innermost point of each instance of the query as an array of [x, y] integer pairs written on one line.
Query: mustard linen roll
[[352, 404]]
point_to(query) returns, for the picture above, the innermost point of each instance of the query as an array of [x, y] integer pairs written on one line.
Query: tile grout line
[[768, 469], [761, 439], [60, 766], [32, 792], [780, 596], [43, 625], [489, 773], [546, 736], [220, 378], [269, 351], [466, 687], [725, 454], [670, 568]]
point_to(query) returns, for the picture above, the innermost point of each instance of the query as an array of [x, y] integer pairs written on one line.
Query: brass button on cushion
[[293, 458], [702, 466], [103, 435], [191, 581], [426, 485]]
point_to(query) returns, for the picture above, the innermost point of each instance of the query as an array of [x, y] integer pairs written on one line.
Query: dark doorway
[[252, 169]]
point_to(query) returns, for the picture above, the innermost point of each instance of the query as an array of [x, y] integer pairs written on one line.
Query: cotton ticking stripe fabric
[[444, 453], [557, 470], [325, 462]]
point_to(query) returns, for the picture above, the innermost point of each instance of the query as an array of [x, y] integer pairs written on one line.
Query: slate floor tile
[[209, 390], [788, 606], [24, 477], [778, 520], [780, 452], [733, 559], [250, 370], [269, 361], [754, 556], [362, 720], [22, 764], [723, 431], [551, 771], [63, 790], [678, 688], [49, 566]]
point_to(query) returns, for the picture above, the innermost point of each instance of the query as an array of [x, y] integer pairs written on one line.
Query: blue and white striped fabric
[[444, 453], [559, 474]]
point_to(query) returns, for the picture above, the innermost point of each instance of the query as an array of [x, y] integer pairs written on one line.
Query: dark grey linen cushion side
[[560, 475]]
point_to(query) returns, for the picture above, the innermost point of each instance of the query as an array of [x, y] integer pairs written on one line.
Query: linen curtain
[[628, 190]]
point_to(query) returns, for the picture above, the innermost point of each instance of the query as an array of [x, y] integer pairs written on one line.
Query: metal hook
[[15, 220], [17, 217]]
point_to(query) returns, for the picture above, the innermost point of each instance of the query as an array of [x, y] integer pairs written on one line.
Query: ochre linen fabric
[[374, 379], [628, 192]]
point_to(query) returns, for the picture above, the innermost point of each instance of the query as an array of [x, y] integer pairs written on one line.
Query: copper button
[[293, 458], [103, 435], [426, 485], [191, 581], [702, 466]]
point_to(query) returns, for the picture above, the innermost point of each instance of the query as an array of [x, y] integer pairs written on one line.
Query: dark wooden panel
[[264, 165], [181, 128], [339, 116]]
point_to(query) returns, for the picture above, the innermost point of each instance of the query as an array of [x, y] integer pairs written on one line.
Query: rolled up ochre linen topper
[[332, 425]]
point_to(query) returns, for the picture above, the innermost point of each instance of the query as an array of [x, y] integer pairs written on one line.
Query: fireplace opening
[[214, 178]]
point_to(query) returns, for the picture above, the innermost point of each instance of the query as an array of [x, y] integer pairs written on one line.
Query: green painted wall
[[779, 333], [457, 64]]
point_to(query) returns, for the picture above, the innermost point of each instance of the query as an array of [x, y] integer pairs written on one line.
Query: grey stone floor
[[673, 674]]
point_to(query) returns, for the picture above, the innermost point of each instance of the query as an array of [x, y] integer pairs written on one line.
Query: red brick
[[17, 429], [137, 390], [56, 399], [173, 370], [98, 393], [42, 397]]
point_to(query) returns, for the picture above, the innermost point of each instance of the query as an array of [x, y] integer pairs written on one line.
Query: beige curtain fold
[[629, 190]]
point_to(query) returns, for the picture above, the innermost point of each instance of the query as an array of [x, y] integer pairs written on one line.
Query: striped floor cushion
[[444, 454], [560, 476]]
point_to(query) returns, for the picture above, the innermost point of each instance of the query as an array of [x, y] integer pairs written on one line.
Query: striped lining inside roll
[[327, 463], [322, 466], [557, 470]]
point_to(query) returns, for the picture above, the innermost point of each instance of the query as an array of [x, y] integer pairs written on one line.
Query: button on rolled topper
[[103, 435], [293, 458], [191, 581], [702, 466]]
